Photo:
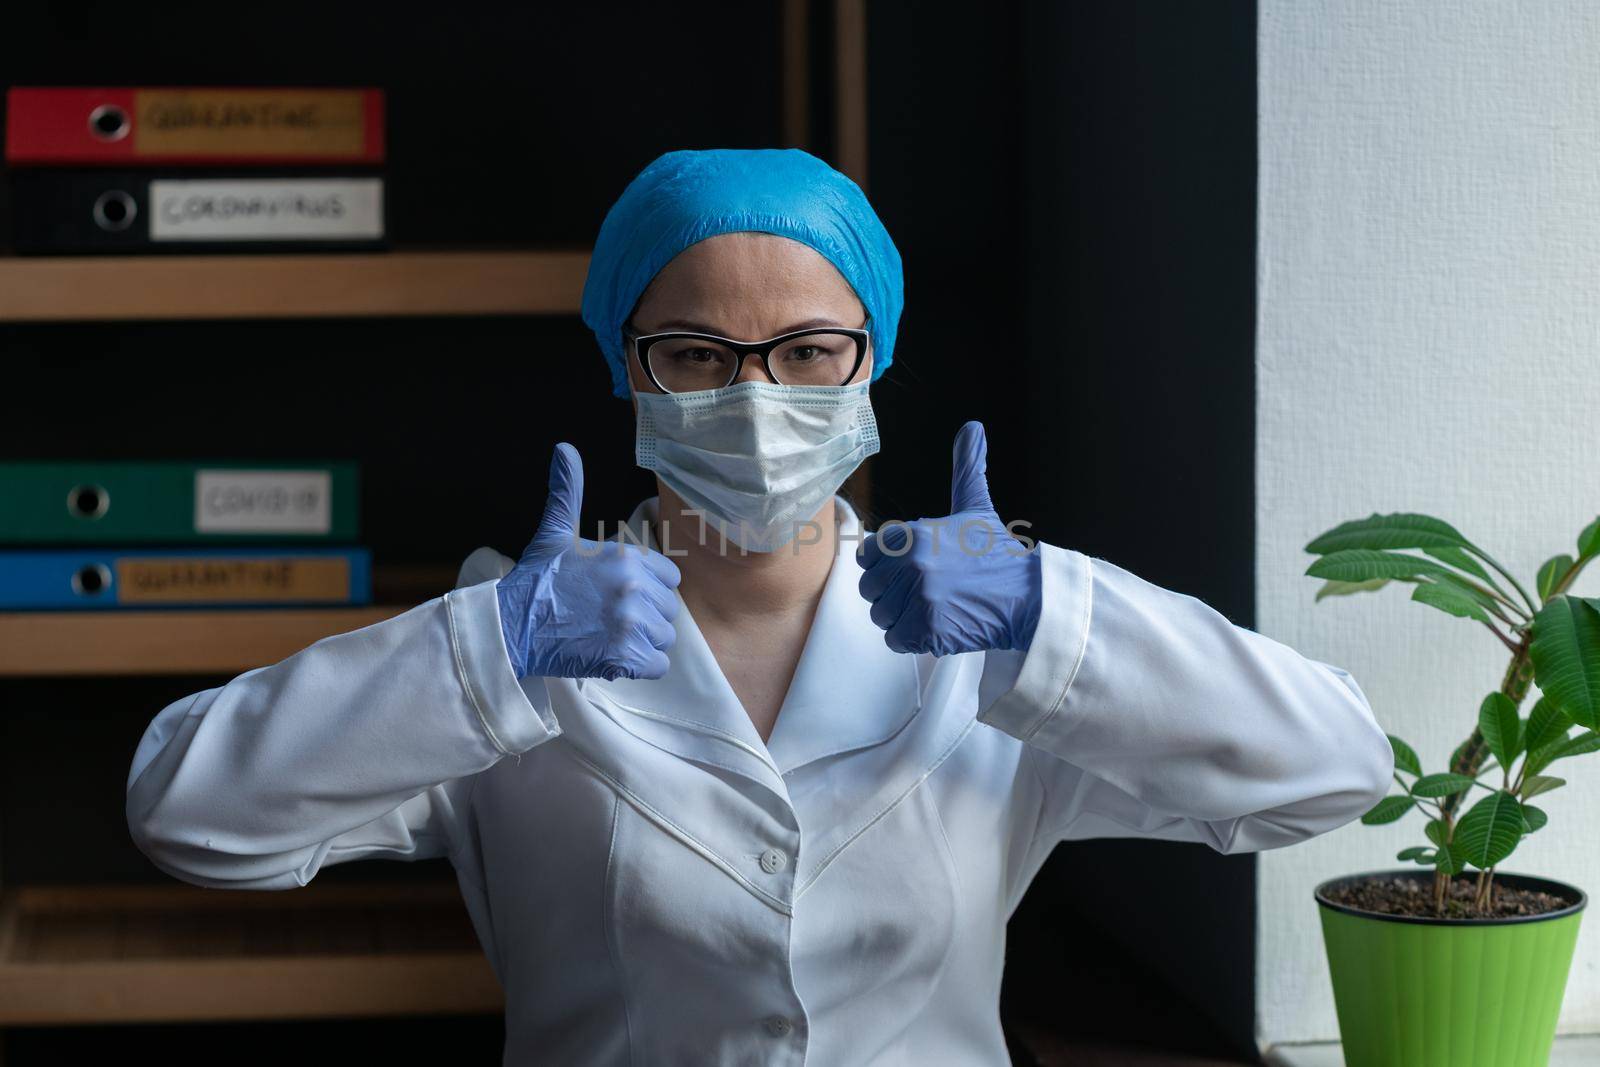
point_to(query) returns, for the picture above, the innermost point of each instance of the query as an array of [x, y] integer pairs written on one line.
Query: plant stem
[[1481, 554], [1492, 594], [1502, 638], [1503, 617], [1519, 675], [1481, 902], [1496, 587], [1441, 880]]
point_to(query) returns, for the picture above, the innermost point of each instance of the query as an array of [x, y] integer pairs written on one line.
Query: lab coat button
[[778, 1026], [772, 861]]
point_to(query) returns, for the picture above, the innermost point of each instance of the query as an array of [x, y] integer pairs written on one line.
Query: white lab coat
[[653, 884]]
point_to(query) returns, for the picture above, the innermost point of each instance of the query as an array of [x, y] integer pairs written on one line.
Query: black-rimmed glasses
[[680, 361]]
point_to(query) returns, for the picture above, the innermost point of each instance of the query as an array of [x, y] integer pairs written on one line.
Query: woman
[[774, 785]]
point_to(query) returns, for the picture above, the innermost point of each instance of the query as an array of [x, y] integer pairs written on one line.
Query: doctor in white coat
[[747, 784]]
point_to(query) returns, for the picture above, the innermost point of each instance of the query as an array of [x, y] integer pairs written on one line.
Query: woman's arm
[[367, 742], [1148, 713], [363, 743]]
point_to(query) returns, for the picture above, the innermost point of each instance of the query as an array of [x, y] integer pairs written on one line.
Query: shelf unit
[[100, 288], [46, 643], [178, 953], [133, 954], [37, 644]]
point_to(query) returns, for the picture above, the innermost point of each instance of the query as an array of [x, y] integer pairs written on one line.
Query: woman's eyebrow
[[700, 327]]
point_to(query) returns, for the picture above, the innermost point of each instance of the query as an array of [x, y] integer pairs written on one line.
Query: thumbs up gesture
[[963, 583], [575, 608]]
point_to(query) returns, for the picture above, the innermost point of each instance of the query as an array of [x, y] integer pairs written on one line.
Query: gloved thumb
[[969, 482], [565, 501]]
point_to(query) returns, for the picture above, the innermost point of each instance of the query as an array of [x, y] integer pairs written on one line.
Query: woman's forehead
[[759, 274]]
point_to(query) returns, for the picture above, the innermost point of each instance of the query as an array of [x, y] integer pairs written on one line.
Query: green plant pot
[[1419, 992]]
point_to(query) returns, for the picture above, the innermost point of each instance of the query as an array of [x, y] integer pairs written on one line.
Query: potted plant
[[1450, 961]]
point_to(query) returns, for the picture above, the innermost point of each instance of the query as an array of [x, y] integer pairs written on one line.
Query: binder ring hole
[[114, 210], [91, 580], [108, 122], [88, 501]]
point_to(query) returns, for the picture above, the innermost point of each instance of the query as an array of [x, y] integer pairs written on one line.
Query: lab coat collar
[[849, 691]]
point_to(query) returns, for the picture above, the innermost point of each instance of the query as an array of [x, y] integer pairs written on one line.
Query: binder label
[[191, 579], [266, 209], [248, 501], [251, 122]]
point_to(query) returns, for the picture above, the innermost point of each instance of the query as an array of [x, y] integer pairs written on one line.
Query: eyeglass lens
[[685, 364]]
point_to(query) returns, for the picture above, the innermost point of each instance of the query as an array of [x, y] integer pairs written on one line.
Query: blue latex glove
[[963, 583], [575, 608]]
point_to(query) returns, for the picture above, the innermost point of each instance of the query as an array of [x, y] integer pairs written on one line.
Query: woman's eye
[[804, 353], [699, 355]]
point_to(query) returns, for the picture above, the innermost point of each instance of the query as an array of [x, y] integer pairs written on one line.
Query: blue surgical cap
[[686, 196]]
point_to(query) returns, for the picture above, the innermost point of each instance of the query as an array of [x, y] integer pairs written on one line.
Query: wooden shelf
[[82, 288], [178, 953], [41, 643]]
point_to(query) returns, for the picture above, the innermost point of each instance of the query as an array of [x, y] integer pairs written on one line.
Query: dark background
[[1072, 189]]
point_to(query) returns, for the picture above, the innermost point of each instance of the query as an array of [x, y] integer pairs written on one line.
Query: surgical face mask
[[758, 458]]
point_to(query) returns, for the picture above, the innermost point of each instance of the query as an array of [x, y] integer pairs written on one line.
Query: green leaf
[[1546, 723], [1459, 560], [1394, 530], [1540, 758], [1490, 831], [1550, 574], [1440, 785], [1365, 564], [1346, 588], [1583, 744], [1435, 831], [1448, 860], [1500, 726], [1472, 589], [1405, 757], [1566, 657], [1450, 599], [1589, 540], [1539, 783], [1387, 810], [1533, 817], [1561, 748], [1412, 853]]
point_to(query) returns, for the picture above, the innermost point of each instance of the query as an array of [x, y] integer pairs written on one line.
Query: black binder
[[90, 211]]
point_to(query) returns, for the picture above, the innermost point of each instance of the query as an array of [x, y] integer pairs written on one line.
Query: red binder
[[193, 125]]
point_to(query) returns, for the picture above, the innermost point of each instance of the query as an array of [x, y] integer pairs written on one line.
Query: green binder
[[184, 502]]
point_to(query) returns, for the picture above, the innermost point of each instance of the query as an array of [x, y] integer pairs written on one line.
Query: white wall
[[1428, 339]]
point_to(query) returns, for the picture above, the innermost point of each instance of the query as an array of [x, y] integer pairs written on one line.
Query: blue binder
[[131, 577]]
